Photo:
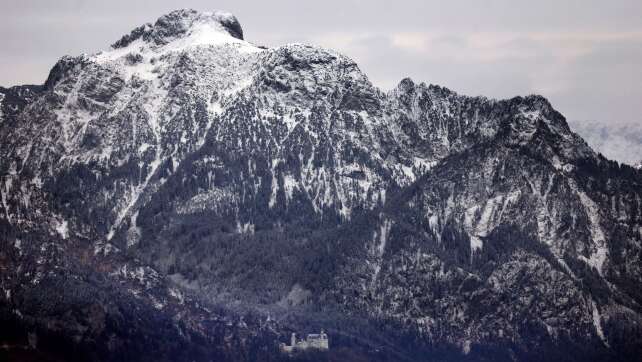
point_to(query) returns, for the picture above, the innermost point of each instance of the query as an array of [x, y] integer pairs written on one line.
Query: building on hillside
[[312, 341]]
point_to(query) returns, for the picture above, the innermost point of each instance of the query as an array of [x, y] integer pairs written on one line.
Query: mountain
[[188, 195]]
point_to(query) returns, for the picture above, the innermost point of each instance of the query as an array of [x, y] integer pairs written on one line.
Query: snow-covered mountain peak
[[149, 49], [186, 23]]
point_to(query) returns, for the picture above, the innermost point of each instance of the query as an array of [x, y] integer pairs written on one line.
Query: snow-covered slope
[[185, 167]]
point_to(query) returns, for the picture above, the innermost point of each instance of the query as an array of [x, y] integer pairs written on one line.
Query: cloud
[[603, 84]]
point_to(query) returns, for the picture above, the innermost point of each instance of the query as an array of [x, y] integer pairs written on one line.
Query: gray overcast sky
[[585, 56]]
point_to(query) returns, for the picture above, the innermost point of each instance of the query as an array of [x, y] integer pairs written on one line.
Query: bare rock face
[[189, 193]]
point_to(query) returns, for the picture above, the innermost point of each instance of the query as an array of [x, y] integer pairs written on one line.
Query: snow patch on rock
[[62, 229], [599, 253], [597, 323]]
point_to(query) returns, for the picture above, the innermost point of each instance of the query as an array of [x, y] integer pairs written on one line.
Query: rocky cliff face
[[171, 193]]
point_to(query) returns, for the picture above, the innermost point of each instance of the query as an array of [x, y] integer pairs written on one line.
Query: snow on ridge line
[[202, 35], [142, 57]]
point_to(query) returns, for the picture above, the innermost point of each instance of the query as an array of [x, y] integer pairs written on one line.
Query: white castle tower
[[312, 341]]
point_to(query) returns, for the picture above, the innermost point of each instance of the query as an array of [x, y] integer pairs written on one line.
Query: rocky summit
[[187, 195]]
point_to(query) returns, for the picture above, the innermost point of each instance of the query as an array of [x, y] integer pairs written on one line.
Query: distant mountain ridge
[[620, 142], [187, 195]]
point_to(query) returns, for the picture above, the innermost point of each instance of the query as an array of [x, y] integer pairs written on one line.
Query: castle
[[312, 341]]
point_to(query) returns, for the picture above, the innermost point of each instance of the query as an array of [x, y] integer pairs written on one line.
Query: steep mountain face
[[13, 100], [498, 243], [192, 194]]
